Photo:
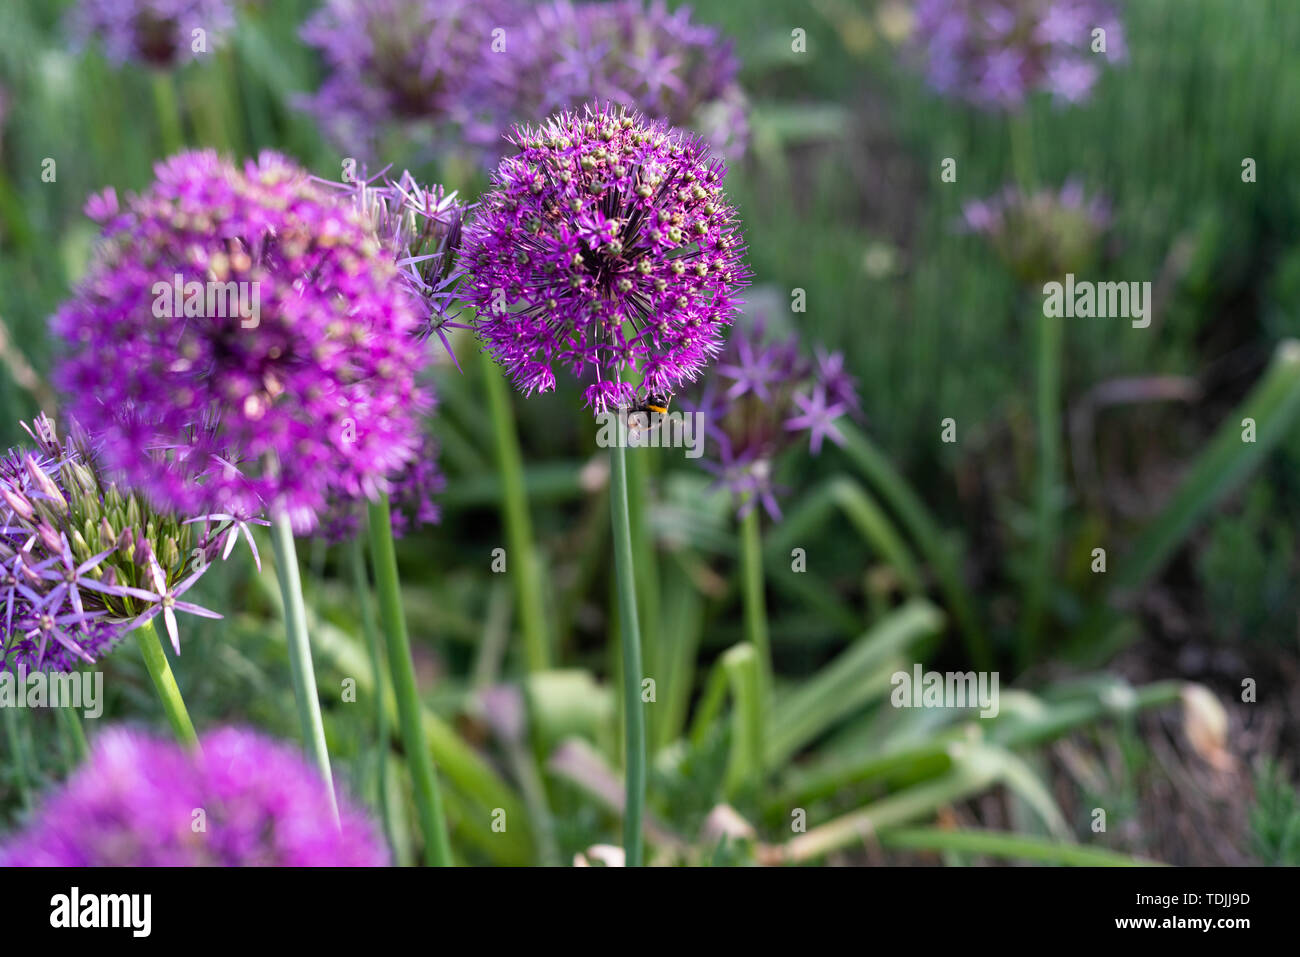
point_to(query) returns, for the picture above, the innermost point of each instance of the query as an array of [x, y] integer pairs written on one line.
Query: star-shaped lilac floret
[[1071, 80], [1001, 81], [818, 418], [64, 570], [753, 371], [658, 71], [749, 480], [840, 386], [12, 577], [167, 602], [232, 532], [50, 625]]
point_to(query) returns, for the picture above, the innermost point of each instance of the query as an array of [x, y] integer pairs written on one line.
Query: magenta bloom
[[244, 801], [606, 244], [157, 33], [994, 53], [634, 53], [242, 343], [762, 398]]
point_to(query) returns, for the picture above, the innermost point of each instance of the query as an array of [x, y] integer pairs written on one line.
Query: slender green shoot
[[756, 632], [428, 799], [630, 632], [164, 682], [300, 665], [366, 612], [519, 528]]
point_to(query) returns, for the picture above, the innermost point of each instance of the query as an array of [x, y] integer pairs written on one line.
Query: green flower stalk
[[428, 798]]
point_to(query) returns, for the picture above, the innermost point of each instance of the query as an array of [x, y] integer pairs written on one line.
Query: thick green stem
[[751, 561], [519, 529], [366, 611], [300, 666], [168, 111], [639, 466], [630, 632], [428, 800], [1050, 334], [169, 693]]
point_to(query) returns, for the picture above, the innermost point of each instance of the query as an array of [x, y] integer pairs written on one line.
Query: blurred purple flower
[[134, 804], [762, 396], [637, 54], [457, 72], [817, 417], [545, 296], [421, 228], [1041, 234], [411, 63], [156, 33], [310, 399], [995, 53]]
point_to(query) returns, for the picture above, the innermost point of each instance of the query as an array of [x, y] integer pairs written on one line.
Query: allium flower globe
[[605, 245], [133, 804], [156, 33], [994, 53], [308, 399]]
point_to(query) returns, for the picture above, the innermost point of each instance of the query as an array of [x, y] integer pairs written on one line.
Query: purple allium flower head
[[762, 397], [606, 244], [82, 563], [994, 53], [157, 33], [291, 385], [1042, 234], [638, 54], [133, 804], [410, 63]]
